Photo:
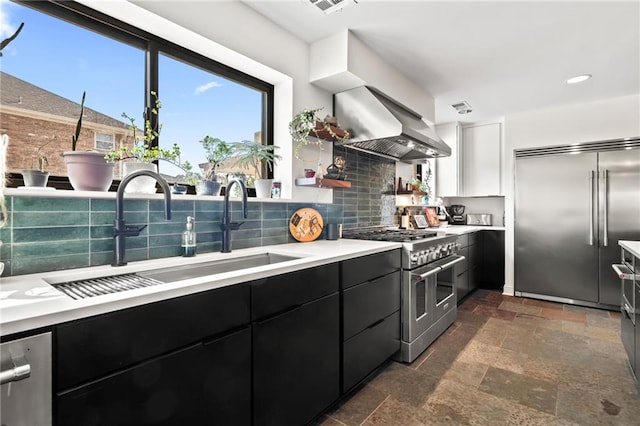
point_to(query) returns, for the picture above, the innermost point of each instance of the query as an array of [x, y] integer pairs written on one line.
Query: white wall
[[594, 121]]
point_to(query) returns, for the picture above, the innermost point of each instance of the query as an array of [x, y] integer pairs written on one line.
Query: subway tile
[[40, 219], [47, 249], [5, 251], [33, 265], [165, 240], [102, 205], [46, 204], [165, 251], [176, 205], [202, 206], [101, 245], [56, 234]]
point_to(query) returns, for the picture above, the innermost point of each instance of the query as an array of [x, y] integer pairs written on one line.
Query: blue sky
[[67, 60]]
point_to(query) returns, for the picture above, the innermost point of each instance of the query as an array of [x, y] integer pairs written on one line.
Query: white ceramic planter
[[263, 188], [141, 184], [88, 170]]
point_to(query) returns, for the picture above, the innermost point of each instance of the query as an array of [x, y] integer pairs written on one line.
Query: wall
[[593, 121], [491, 205]]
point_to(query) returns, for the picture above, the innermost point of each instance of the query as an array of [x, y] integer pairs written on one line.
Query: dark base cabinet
[[207, 383], [365, 351], [371, 314], [492, 265], [296, 363]]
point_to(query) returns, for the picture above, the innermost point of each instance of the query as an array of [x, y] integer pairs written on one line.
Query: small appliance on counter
[[482, 219], [456, 212]]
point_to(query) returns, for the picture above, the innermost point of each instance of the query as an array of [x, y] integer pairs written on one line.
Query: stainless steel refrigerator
[[572, 205]]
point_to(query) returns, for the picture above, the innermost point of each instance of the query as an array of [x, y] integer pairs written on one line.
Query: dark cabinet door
[[492, 265], [296, 363], [206, 383]]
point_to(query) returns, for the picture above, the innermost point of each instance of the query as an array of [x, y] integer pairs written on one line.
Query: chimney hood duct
[[381, 126]]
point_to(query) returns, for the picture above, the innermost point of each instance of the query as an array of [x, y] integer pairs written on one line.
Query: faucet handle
[[235, 225]]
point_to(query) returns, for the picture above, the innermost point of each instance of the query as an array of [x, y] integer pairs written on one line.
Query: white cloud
[[207, 86], [6, 28]]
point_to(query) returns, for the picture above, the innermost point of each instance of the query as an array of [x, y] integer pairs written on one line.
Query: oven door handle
[[452, 262], [429, 273]]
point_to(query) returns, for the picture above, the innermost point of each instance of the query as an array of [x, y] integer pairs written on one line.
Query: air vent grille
[[329, 6], [83, 289], [615, 144]]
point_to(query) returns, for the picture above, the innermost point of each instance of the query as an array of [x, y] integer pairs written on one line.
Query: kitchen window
[[104, 141], [66, 48]]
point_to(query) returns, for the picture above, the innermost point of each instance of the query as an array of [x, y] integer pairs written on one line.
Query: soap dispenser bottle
[[189, 239]]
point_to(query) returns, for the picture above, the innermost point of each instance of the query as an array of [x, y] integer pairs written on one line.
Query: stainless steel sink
[[180, 273], [81, 289]]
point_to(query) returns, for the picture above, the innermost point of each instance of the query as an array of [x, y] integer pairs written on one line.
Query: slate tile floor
[[506, 361]]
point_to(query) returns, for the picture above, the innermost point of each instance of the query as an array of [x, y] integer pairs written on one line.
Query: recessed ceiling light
[[578, 79]]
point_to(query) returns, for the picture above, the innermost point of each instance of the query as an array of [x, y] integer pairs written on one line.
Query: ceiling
[[501, 57]]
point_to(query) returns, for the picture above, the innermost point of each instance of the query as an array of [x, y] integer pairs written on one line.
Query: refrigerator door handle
[[591, 194], [605, 208]]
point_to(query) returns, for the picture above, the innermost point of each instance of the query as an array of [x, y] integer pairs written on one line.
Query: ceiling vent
[[462, 107], [330, 6]]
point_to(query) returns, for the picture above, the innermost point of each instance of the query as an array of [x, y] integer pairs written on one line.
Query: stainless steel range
[[428, 283]]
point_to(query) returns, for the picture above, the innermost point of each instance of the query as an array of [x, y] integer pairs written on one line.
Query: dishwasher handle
[[20, 371]]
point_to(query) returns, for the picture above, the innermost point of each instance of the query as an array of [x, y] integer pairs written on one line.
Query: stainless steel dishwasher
[[25, 381]]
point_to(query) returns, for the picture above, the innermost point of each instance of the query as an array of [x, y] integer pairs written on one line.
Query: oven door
[[445, 285], [417, 305]]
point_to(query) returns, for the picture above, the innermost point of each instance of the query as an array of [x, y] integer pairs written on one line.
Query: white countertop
[[28, 301], [632, 246], [463, 229]]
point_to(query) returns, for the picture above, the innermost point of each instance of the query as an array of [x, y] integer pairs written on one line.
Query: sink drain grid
[[83, 289]]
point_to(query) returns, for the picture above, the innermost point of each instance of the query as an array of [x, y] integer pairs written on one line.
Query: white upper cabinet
[[480, 152], [474, 167], [447, 182]]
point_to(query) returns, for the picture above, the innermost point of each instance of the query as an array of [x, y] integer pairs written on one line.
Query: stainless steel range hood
[[381, 126]]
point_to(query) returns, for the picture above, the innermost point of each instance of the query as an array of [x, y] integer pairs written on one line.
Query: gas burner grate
[[83, 289], [393, 235]]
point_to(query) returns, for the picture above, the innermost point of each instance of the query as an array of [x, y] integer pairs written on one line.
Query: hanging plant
[[307, 124]]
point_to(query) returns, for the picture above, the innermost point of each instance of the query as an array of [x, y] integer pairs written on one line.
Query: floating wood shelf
[[321, 132], [323, 183], [410, 193]]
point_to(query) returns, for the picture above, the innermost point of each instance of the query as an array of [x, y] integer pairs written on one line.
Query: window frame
[[93, 20]]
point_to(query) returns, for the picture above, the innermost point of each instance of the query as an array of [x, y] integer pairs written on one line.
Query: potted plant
[[306, 124], [37, 177], [258, 157], [142, 154], [217, 151], [87, 170]]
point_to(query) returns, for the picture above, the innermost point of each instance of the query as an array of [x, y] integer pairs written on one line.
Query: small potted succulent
[[217, 151], [37, 177], [87, 170], [260, 158]]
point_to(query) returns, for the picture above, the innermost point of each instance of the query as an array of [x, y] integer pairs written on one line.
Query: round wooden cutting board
[[306, 224]]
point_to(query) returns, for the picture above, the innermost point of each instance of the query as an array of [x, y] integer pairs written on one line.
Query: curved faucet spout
[[120, 228], [226, 226]]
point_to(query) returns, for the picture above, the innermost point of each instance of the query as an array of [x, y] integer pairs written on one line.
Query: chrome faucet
[[120, 229], [227, 226]]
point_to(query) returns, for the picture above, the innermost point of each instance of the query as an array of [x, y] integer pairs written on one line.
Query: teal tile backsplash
[[53, 233], [48, 234]]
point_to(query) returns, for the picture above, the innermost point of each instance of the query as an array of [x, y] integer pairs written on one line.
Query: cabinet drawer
[[474, 238], [272, 295], [368, 349], [463, 265], [203, 381], [90, 348], [367, 303], [367, 268], [463, 240]]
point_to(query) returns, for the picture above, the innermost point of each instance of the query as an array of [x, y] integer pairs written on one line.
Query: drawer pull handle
[[21, 370]]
